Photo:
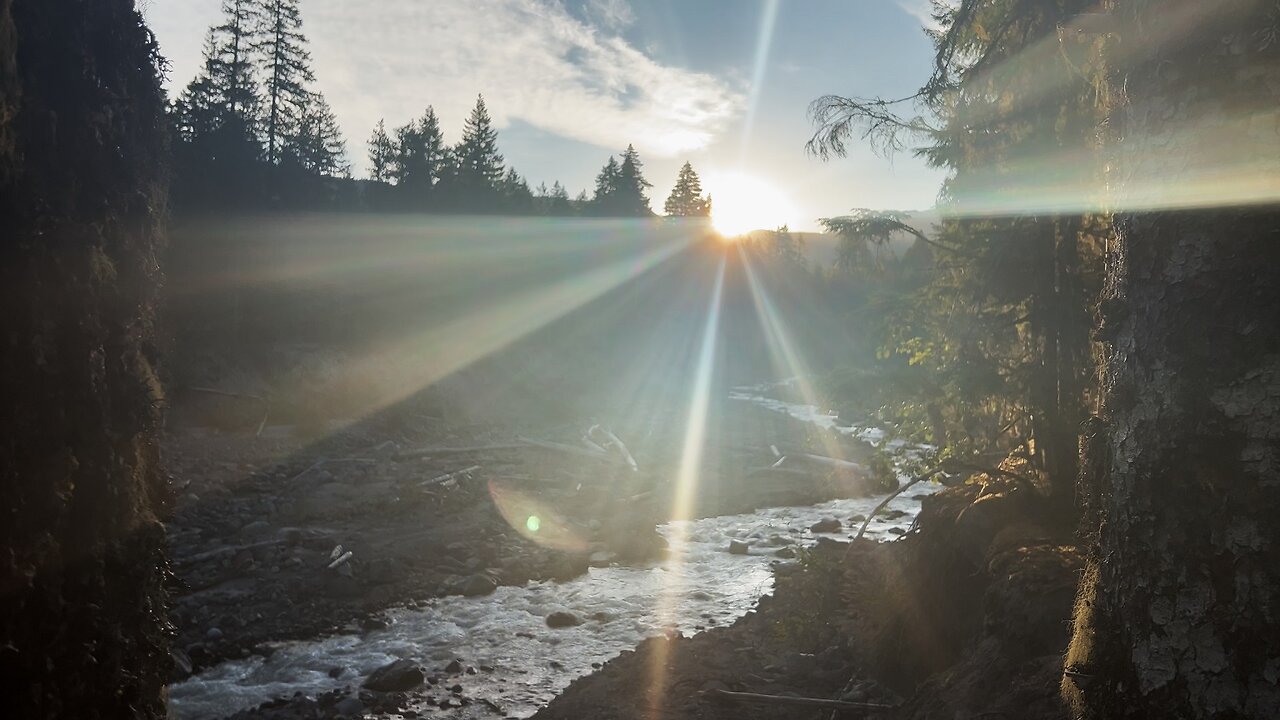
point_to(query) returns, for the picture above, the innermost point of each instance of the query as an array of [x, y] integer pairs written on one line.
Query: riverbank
[[259, 519], [967, 616]]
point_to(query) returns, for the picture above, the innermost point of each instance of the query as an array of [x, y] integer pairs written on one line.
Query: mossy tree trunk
[[1179, 612], [82, 616]]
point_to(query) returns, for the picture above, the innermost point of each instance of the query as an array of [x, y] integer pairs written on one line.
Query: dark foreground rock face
[[81, 138]]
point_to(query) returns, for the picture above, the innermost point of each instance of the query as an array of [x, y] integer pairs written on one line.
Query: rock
[[396, 676], [738, 548], [374, 623], [785, 552], [257, 528], [857, 518], [454, 667], [350, 706], [336, 672], [476, 585], [600, 559], [826, 525], [562, 619], [896, 531], [213, 634]]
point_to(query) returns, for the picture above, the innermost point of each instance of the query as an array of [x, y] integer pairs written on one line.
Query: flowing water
[[699, 585]]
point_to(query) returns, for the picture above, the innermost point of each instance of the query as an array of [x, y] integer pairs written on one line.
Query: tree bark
[[1179, 611], [82, 129]]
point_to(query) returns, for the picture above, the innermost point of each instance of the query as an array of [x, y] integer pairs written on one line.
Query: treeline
[[253, 131], [411, 168]]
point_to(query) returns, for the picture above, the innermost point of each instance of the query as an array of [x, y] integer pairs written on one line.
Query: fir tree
[[286, 66], [478, 165], [382, 154], [686, 198], [605, 200], [317, 145], [420, 159], [516, 196], [631, 197], [560, 205]]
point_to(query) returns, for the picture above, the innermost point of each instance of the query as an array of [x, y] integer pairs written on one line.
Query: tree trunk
[[1179, 611], [82, 631]]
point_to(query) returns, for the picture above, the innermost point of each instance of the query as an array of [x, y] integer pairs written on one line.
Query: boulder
[[476, 585], [562, 619], [738, 548], [826, 525], [396, 676]]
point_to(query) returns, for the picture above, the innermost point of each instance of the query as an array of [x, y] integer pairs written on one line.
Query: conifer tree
[[605, 202], [559, 205], [382, 154], [478, 165], [686, 198], [419, 159], [317, 145], [286, 66], [631, 196], [517, 199]]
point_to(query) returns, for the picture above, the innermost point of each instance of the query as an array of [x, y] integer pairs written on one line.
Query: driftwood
[[758, 698], [449, 476], [613, 441], [917, 479]]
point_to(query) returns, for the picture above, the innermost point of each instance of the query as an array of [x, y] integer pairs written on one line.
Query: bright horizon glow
[[741, 203]]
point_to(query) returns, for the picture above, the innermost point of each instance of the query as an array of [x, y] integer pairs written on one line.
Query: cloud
[[532, 60], [612, 15], [921, 10]]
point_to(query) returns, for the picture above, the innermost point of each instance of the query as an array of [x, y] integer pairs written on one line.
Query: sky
[[723, 84]]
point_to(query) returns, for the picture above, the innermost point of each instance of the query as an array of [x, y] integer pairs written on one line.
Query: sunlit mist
[[742, 203]]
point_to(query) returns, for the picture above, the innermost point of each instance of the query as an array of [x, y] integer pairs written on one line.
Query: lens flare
[[686, 484]]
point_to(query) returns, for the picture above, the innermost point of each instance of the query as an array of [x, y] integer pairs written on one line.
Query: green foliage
[[985, 341]]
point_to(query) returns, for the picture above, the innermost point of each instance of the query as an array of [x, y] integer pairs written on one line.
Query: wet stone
[[394, 677]]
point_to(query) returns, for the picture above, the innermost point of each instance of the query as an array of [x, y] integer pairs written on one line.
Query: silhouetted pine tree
[[478, 165], [420, 161], [516, 196], [686, 198], [286, 66], [559, 204], [605, 200], [631, 197], [316, 145], [382, 154]]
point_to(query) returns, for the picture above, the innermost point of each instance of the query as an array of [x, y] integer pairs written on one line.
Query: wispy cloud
[[610, 14], [921, 10]]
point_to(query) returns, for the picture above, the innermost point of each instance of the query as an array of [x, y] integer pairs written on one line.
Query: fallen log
[[757, 698]]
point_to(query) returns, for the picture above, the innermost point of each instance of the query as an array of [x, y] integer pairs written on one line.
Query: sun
[[742, 203]]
